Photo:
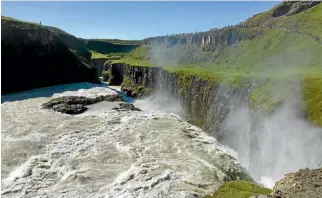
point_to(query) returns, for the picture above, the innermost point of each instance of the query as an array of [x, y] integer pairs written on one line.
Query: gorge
[[238, 103]]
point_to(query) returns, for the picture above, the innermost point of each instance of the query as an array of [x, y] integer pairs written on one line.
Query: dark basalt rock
[[126, 107], [76, 104], [72, 109], [38, 58]]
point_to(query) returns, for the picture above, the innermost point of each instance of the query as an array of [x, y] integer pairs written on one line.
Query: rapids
[[106, 153]]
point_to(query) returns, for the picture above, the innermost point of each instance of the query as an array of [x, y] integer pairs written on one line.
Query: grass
[[238, 189], [275, 50], [108, 56], [312, 92], [119, 42], [21, 24], [307, 22], [99, 48], [106, 75], [275, 55], [137, 89], [97, 55]]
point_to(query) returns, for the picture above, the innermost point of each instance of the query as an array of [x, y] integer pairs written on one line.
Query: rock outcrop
[[247, 30], [303, 183], [126, 107], [33, 57], [206, 103], [289, 8], [209, 40], [77, 104], [98, 63]]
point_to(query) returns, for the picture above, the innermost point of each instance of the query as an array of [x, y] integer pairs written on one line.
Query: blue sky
[[134, 20]]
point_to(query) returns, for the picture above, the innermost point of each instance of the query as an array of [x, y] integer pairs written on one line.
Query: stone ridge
[[208, 40], [34, 57]]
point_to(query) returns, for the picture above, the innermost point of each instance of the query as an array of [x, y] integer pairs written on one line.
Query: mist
[[269, 144]]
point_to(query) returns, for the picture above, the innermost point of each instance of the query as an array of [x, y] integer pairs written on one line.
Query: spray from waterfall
[[269, 143]]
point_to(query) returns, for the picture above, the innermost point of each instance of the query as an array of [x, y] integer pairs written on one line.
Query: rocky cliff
[[85, 47], [33, 57], [98, 63], [205, 102], [287, 16], [208, 40]]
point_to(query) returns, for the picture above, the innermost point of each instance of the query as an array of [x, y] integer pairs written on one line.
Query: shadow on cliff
[[47, 91]]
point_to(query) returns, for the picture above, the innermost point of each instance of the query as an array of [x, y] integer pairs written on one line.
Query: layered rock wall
[[205, 102], [208, 40], [33, 57], [98, 63]]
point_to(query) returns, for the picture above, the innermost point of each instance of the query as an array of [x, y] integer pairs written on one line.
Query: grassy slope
[[88, 48], [278, 55], [120, 42], [22, 24], [238, 189], [307, 22]]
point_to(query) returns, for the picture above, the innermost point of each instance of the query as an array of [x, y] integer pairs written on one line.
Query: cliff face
[[82, 47], [208, 40], [205, 103], [98, 63], [33, 57], [284, 16]]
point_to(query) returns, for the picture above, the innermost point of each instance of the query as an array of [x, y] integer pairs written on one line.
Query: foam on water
[[106, 153]]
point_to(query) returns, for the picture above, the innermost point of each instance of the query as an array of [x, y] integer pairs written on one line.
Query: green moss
[[106, 75], [312, 95], [238, 189], [127, 83], [120, 42], [261, 98], [96, 55], [138, 89]]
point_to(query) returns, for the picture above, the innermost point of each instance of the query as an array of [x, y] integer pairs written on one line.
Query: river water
[[106, 153]]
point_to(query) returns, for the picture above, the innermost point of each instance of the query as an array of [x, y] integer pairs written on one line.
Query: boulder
[[76, 104], [126, 107], [72, 109]]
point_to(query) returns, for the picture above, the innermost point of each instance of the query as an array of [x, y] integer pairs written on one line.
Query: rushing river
[[103, 152]]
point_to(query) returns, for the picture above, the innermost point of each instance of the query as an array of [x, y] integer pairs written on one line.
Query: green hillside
[[307, 22], [275, 54], [238, 189], [88, 48], [119, 42]]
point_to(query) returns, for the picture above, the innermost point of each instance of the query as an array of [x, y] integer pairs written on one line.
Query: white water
[[271, 145], [105, 153]]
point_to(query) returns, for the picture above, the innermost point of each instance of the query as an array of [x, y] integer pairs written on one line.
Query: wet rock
[[129, 93], [76, 104], [126, 107], [124, 89], [72, 109]]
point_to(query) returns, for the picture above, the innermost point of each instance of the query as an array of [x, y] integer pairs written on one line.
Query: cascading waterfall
[[268, 145], [272, 144], [106, 153]]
